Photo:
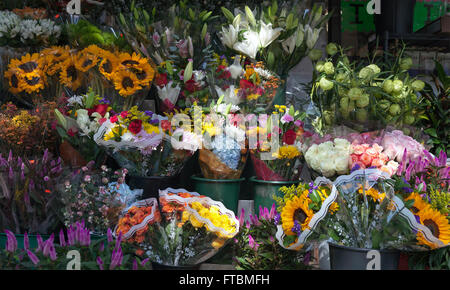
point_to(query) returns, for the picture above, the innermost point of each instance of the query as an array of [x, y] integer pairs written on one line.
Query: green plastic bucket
[[20, 238], [263, 191], [223, 190]]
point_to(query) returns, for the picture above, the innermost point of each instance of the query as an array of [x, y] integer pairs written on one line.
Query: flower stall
[[183, 135]]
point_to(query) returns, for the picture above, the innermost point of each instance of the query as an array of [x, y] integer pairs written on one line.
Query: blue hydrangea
[[227, 150]]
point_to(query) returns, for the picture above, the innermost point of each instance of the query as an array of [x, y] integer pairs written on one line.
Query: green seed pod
[[366, 73], [418, 85], [406, 63], [345, 113], [325, 84], [342, 92], [355, 93], [319, 66], [328, 68], [375, 68], [363, 101], [394, 109], [388, 86], [344, 103], [384, 105], [361, 115], [328, 117], [341, 77], [332, 49], [409, 119], [397, 86], [351, 106], [315, 54]]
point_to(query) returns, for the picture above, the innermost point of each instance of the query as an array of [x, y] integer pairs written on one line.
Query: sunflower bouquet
[[119, 75], [369, 216], [244, 83], [188, 229], [224, 153], [277, 152]]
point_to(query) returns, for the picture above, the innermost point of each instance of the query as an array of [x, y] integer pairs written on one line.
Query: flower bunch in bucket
[[185, 230]]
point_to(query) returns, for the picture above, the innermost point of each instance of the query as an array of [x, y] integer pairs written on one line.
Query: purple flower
[[266, 213], [62, 240], [297, 228], [26, 241], [277, 219], [135, 265], [356, 167], [109, 235], [144, 262], [11, 243], [116, 258], [252, 243], [33, 257], [287, 118], [100, 263], [40, 243], [273, 212], [242, 217]]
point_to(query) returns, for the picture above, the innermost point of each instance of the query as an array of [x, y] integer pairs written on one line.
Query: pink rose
[[372, 152], [358, 149], [383, 157], [378, 162], [387, 169], [377, 147], [366, 159]]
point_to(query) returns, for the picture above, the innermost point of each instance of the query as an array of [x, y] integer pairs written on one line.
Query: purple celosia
[[100, 263], [252, 243], [26, 241], [242, 217], [11, 242], [33, 257], [62, 240], [273, 212]]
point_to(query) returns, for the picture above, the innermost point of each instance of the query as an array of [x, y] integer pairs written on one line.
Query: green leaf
[[206, 16], [227, 14], [431, 132]]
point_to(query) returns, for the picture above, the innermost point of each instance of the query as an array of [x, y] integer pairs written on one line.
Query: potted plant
[[30, 201], [277, 156], [181, 231], [223, 154]]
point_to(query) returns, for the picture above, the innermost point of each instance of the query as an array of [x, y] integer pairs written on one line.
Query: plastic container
[[349, 258], [152, 184], [263, 191], [223, 190]]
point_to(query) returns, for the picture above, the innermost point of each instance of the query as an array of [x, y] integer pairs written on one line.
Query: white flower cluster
[[27, 30], [329, 157]]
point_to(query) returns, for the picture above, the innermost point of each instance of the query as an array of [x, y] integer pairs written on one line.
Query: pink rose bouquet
[[396, 142], [365, 156]]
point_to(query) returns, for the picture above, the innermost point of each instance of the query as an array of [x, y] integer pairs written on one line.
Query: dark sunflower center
[[33, 81], [130, 62], [72, 72], [434, 228], [14, 81], [141, 75], [107, 66], [58, 54], [300, 215], [87, 62], [28, 66], [127, 82]]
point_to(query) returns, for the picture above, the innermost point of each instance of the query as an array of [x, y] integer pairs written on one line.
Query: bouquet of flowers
[[280, 38], [120, 75], [256, 247], [223, 154], [186, 229], [369, 215], [276, 154], [29, 199], [26, 131], [365, 97], [17, 31], [97, 198], [244, 84]]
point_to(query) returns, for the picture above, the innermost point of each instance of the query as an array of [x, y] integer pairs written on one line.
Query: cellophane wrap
[[365, 218], [212, 166], [186, 229]]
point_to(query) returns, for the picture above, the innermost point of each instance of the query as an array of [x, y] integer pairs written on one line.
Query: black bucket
[[158, 266], [396, 17], [348, 258], [152, 184]]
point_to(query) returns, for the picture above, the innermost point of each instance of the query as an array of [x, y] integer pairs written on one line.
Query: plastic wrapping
[[370, 215], [186, 229], [213, 168]]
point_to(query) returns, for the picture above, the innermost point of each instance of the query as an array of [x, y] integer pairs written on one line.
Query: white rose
[[326, 146], [341, 165], [327, 167]]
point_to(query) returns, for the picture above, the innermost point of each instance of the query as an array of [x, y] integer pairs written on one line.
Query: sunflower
[[53, 56], [33, 82], [334, 207], [69, 75], [373, 193], [94, 50], [419, 203], [145, 74], [108, 64], [126, 83], [14, 81], [438, 225], [134, 60], [296, 209], [28, 64], [84, 61]]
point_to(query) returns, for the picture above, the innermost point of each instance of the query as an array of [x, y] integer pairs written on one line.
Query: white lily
[[169, 92], [290, 43], [312, 35], [230, 97], [229, 36], [267, 34], [236, 68], [250, 45]]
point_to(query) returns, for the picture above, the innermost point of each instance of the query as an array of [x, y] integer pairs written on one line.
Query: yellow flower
[[287, 152], [296, 209], [252, 97], [419, 203], [373, 193], [15, 81], [84, 61], [126, 83], [114, 132], [195, 223], [33, 82], [108, 65], [218, 243], [438, 225], [150, 129], [69, 75]]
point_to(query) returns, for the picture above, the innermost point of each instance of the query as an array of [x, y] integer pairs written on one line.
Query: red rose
[[166, 125], [113, 119], [72, 132], [135, 126], [161, 80], [102, 109], [124, 114], [245, 84], [192, 86], [224, 73], [289, 137]]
